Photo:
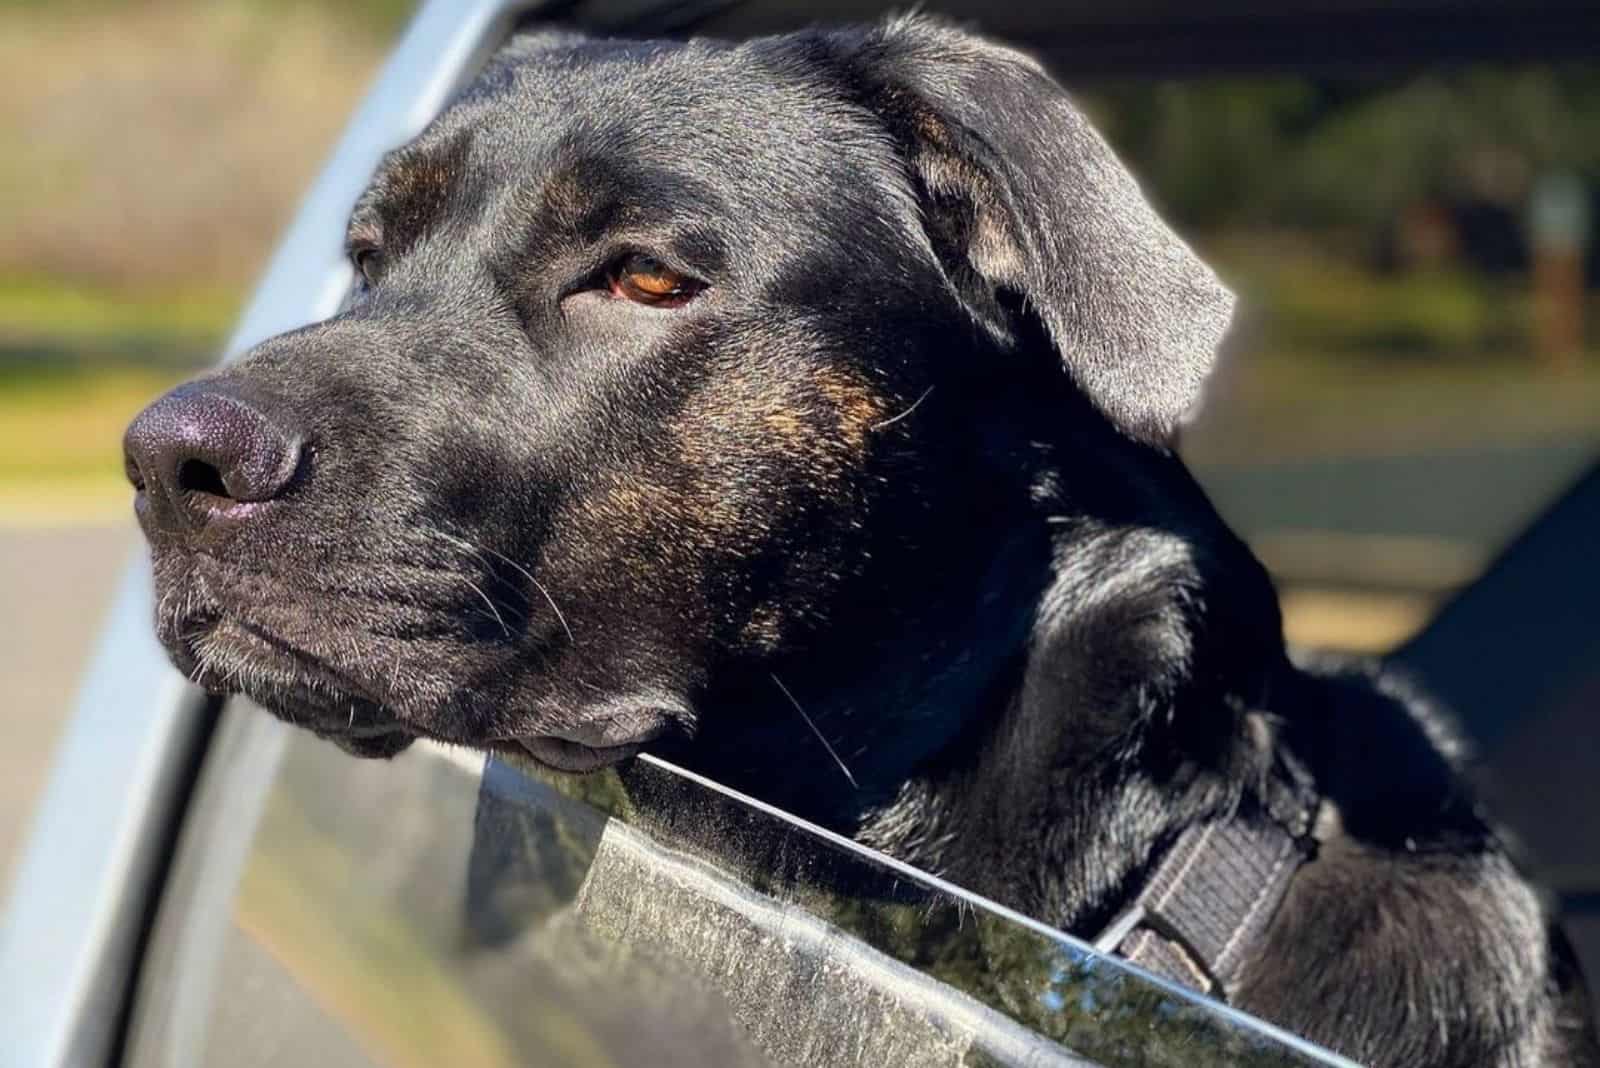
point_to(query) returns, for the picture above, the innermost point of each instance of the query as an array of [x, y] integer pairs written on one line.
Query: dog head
[[684, 384]]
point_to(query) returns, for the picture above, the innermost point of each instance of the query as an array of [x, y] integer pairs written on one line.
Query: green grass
[[76, 365], [61, 439], [1305, 297], [67, 425], [382, 18], [50, 313]]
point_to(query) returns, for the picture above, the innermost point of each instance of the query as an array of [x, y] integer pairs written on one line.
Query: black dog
[[802, 410]]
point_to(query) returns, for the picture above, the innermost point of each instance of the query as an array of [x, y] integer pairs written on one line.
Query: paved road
[[55, 585], [1478, 496]]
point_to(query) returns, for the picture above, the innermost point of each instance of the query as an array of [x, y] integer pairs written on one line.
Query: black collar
[[1209, 898]]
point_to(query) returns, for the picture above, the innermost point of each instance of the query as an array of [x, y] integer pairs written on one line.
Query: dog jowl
[[802, 410]]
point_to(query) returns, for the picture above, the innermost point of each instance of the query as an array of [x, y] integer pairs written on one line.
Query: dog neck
[[833, 734], [1035, 711], [1138, 709]]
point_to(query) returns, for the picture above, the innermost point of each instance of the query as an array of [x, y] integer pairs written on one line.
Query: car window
[[440, 909]]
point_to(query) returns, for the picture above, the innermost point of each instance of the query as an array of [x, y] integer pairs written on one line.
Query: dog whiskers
[[480, 550], [394, 677], [476, 589], [538, 586], [476, 553], [825, 744], [892, 420], [551, 602]]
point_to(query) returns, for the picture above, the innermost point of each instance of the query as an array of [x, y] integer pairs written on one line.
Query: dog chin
[[226, 660], [364, 730]]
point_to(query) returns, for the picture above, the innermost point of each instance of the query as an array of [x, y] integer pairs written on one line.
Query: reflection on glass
[[421, 913]]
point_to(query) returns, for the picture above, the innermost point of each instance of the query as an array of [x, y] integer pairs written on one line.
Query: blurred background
[[1415, 373]]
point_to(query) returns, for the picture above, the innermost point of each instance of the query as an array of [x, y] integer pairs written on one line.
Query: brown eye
[[646, 280], [368, 263]]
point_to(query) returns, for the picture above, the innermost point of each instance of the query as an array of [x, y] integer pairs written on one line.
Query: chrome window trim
[[1233, 1016]]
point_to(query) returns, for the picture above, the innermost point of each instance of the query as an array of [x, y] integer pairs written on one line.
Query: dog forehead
[[758, 149], [714, 82], [758, 121]]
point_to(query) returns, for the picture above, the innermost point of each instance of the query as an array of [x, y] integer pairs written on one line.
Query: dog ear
[[1025, 202]]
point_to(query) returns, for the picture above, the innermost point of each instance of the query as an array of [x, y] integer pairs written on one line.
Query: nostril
[[204, 453], [197, 476]]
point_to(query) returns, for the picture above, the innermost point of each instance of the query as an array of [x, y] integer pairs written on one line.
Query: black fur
[[882, 526]]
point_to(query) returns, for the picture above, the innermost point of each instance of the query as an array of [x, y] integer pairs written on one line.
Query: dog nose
[[200, 453]]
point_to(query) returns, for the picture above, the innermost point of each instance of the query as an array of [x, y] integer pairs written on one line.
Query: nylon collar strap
[[1202, 912]]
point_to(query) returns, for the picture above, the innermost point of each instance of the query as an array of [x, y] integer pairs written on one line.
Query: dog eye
[[646, 280], [368, 262]]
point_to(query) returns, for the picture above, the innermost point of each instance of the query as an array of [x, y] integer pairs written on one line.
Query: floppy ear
[[1023, 199]]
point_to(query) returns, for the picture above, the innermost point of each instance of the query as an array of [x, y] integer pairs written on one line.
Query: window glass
[[432, 911]]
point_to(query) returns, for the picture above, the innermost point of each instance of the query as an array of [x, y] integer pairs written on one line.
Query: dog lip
[[596, 744], [632, 729], [562, 755]]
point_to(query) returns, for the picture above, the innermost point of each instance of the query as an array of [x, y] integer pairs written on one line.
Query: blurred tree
[[1350, 153]]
